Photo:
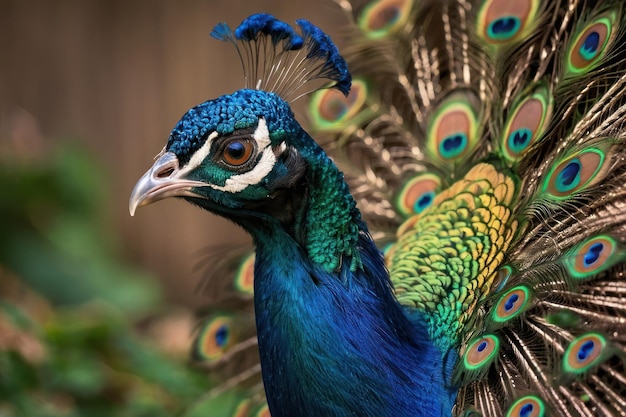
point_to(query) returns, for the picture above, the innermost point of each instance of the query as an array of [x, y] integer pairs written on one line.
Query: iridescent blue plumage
[[338, 344], [321, 283]]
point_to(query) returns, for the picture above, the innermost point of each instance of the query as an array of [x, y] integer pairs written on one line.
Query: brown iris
[[237, 152]]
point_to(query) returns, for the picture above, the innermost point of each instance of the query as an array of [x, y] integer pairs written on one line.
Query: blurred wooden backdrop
[[116, 75]]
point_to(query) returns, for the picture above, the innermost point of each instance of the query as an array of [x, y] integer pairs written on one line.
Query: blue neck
[[338, 343]]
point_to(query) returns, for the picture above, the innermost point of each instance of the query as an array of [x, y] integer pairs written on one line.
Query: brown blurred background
[[115, 75]]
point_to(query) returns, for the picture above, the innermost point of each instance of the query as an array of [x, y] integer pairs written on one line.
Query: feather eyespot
[[237, 151], [592, 256], [382, 17], [331, 110], [503, 21], [584, 352], [526, 123], [528, 406], [575, 173], [588, 48], [511, 304], [452, 131], [214, 339], [481, 352], [418, 194]]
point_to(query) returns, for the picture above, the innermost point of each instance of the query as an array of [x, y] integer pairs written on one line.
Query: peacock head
[[226, 154], [241, 151]]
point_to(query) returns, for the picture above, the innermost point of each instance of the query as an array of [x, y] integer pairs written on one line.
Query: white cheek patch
[[262, 134], [240, 182], [198, 156], [264, 166]]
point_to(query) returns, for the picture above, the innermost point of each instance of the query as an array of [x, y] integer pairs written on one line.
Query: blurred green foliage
[[73, 316], [52, 217]]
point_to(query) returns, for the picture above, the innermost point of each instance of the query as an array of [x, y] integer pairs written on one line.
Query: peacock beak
[[164, 179]]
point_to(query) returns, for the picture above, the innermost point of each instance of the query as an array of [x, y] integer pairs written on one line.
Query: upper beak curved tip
[[141, 190], [154, 182], [135, 199], [164, 179]]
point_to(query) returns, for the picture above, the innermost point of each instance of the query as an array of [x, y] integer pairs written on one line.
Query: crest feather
[[278, 59]]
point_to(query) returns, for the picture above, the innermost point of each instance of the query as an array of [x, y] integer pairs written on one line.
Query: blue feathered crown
[[278, 59]]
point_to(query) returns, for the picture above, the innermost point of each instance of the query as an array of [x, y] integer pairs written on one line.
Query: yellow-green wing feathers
[[446, 258]]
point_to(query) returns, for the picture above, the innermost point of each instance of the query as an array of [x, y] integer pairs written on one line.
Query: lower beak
[[164, 179]]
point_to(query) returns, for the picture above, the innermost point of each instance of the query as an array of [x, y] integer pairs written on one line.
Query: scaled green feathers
[[447, 257]]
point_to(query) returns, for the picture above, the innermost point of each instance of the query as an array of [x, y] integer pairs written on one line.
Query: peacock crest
[[277, 59]]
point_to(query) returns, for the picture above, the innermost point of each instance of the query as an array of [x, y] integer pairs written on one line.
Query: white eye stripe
[[240, 182], [262, 135], [198, 156], [264, 166]]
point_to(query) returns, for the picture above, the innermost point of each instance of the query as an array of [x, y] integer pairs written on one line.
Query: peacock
[[450, 238]]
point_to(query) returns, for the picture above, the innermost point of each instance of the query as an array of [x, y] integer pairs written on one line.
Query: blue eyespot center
[[510, 302], [526, 410], [593, 254], [585, 350], [221, 335], [589, 48], [482, 346], [519, 139], [453, 145], [423, 202], [504, 27], [569, 177]]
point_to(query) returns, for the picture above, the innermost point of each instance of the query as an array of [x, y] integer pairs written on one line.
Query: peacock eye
[[237, 151]]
